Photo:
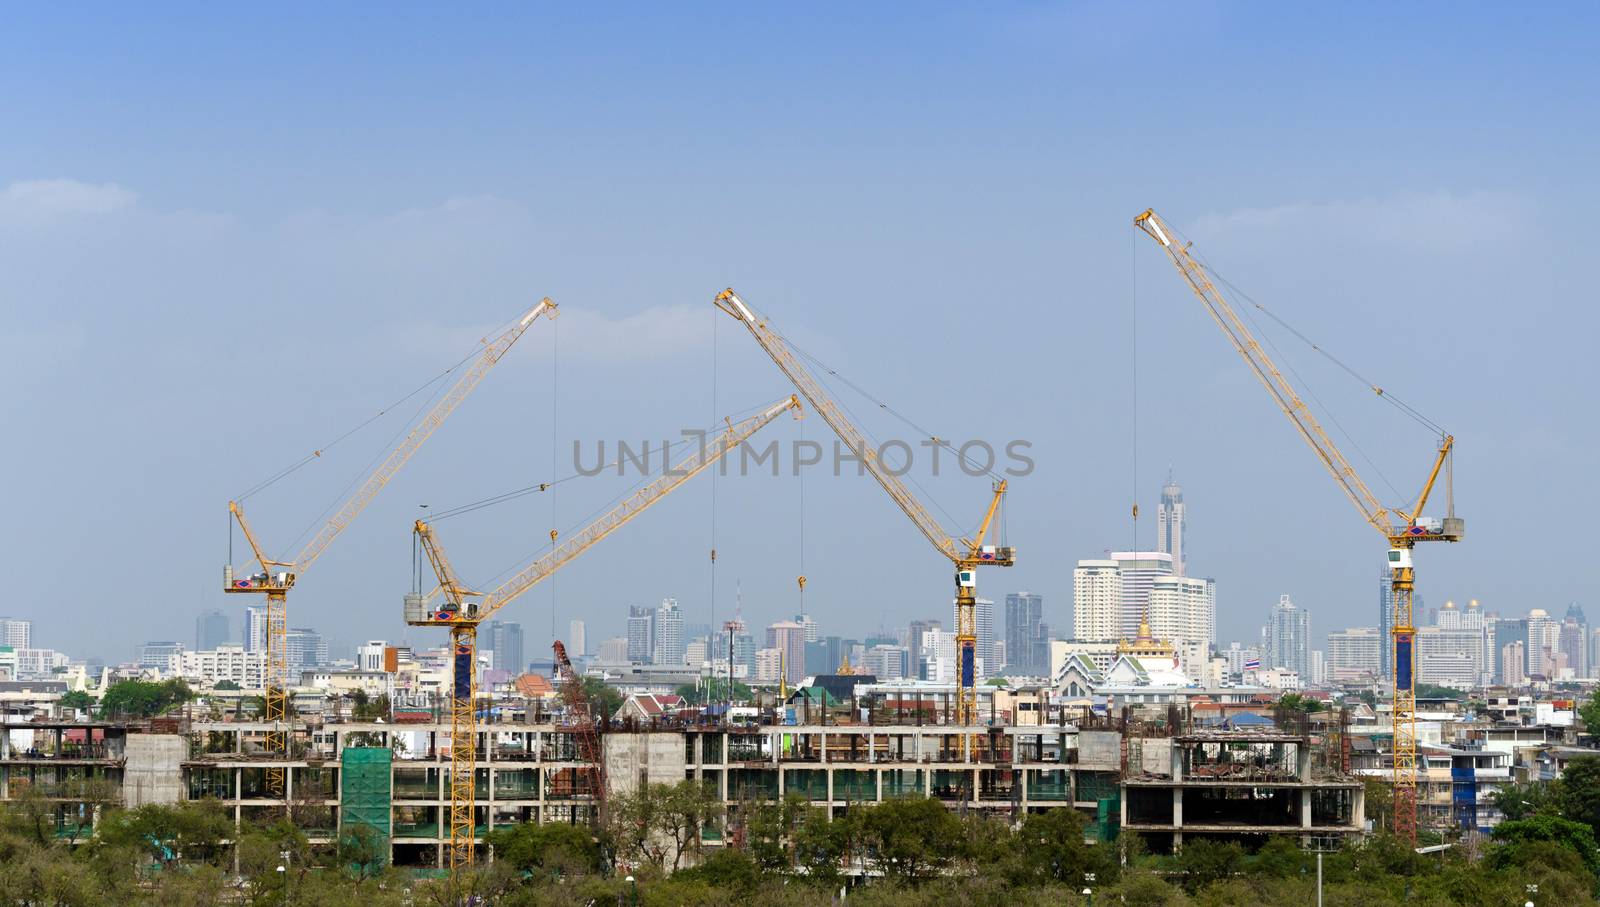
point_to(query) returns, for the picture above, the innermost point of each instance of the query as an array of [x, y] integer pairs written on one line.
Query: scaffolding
[[364, 791]]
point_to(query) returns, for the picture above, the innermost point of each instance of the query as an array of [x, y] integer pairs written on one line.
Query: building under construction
[[1164, 779]]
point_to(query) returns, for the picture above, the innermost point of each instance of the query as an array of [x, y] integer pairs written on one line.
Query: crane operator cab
[[419, 614], [1399, 559]]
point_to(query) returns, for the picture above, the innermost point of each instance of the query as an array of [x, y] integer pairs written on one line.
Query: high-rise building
[[1183, 609], [1027, 636], [789, 639], [1544, 640], [159, 655], [211, 629], [1506, 632], [304, 648], [886, 662], [983, 616], [614, 651], [1355, 654], [1139, 570], [16, 632], [914, 643], [641, 634], [1097, 600], [1289, 638], [670, 647], [1574, 641], [505, 640], [369, 655], [1171, 521], [1513, 657], [810, 623], [255, 628], [577, 638]]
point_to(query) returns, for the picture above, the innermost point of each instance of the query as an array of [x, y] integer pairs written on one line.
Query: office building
[[1544, 640], [1139, 570], [16, 632], [983, 617], [211, 629], [577, 641], [1027, 636], [670, 643], [1183, 611], [1171, 521], [505, 640], [1288, 641], [1355, 654], [886, 662], [1097, 600], [810, 623], [369, 655], [615, 651], [247, 670], [641, 634], [1573, 641], [158, 655], [914, 643], [788, 638], [1513, 658], [1506, 632], [304, 648], [255, 628]]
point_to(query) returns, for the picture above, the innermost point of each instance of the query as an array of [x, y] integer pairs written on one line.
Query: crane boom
[[462, 618], [965, 553], [275, 584], [1402, 528]]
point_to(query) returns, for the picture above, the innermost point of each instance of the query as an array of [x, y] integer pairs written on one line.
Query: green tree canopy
[[143, 698]]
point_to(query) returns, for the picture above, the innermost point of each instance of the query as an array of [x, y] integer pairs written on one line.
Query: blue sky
[[226, 236]]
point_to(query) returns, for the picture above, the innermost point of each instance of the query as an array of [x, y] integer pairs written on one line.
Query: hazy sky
[[228, 235]]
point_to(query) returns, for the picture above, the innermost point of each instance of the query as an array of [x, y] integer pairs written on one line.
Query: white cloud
[[1435, 222], [62, 197]]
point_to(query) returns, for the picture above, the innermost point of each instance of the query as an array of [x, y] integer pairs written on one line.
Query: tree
[[910, 839], [1574, 836], [1203, 862], [165, 835], [225, 685], [143, 698], [77, 699], [1297, 703], [1052, 848], [552, 848], [603, 700], [1589, 711], [1579, 791], [1524, 801]]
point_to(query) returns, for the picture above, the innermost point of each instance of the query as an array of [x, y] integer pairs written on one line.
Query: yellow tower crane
[[967, 554], [1402, 528], [464, 609], [276, 577]]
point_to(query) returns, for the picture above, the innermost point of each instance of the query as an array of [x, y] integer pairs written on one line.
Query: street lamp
[[1090, 895], [633, 891]]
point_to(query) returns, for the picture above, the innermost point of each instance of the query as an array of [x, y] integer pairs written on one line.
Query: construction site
[[433, 790]]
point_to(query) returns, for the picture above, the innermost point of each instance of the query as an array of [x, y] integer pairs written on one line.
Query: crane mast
[[965, 553], [1402, 528], [461, 615], [276, 577]]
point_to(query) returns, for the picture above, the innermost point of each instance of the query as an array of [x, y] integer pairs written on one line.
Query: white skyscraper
[[1183, 610], [1355, 654], [1139, 570], [1171, 522], [1096, 601], [670, 644], [578, 638], [1289, 638], [369, 655], [16, 632], [255, 629], [988, 661]]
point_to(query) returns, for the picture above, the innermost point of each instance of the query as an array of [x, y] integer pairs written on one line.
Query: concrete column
[[1177, 807], [879, 789], [1305, 808], [824, 746], [1177, 761], [828, 774]]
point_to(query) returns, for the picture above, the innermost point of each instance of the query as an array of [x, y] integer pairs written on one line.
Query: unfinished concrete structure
[[1238, 784]]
